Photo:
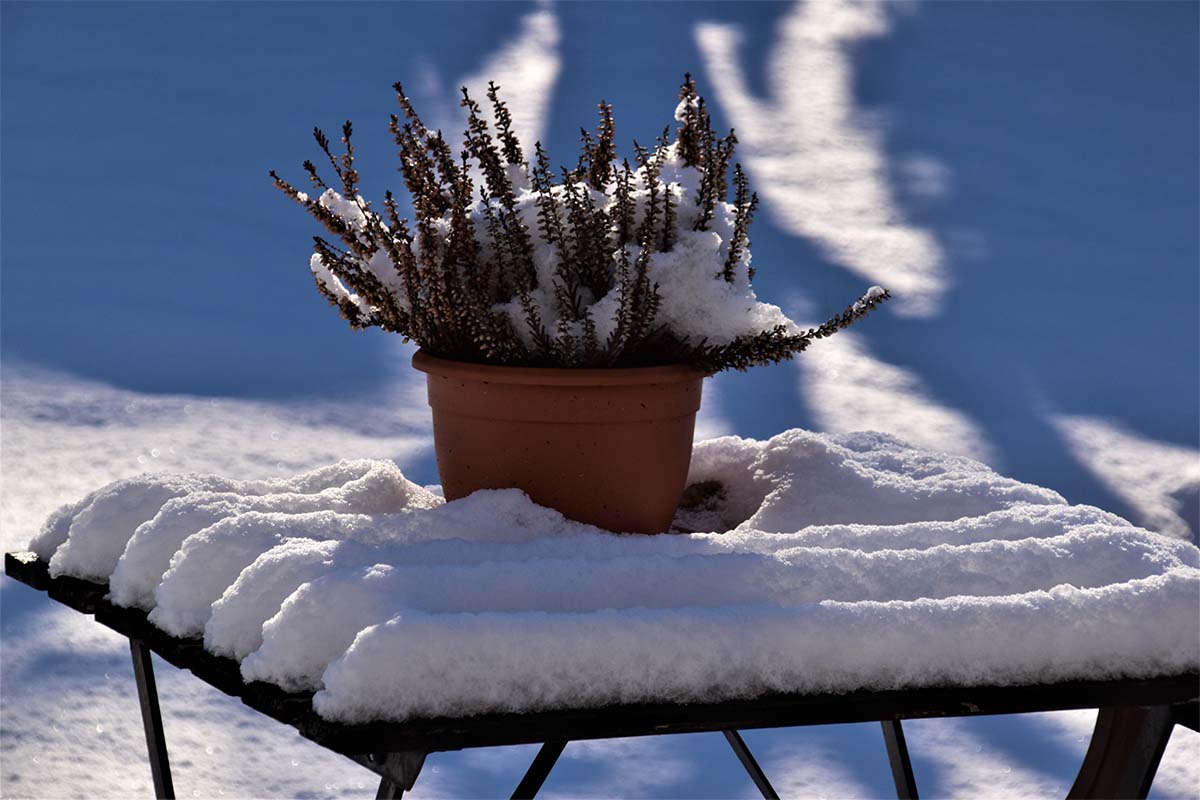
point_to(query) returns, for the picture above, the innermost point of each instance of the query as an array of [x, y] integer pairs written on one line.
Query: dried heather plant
[[507, 262]]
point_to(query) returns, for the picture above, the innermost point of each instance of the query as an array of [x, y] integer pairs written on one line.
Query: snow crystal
[[830, 563]]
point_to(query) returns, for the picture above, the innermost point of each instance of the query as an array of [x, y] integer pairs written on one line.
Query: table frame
[[1135, 721]]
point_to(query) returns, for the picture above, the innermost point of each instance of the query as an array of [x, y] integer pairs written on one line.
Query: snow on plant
[[606, 264]]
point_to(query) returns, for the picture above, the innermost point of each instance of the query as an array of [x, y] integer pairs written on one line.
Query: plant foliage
[[508, 261]]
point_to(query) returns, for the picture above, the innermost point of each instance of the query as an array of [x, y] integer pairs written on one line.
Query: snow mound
[[799, 478], [822, 563]]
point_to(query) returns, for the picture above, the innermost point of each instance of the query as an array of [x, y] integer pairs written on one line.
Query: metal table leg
[[747, 758], [388, 790], [897, 750], [398, 771], [539, 770], [156, 742], [1123, 756]]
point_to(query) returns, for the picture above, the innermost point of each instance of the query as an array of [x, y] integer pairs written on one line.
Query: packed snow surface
[[830, 563]]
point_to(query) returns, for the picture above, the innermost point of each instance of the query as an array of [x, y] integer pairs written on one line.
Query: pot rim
[[554, 376]]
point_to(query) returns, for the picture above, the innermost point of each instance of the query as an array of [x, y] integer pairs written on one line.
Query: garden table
[[1134, 724]]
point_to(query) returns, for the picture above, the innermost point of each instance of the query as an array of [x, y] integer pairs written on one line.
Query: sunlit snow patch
[[846, 386], [816, 160], [1159, 481]]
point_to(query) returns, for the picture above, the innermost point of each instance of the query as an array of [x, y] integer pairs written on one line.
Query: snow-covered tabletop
[[840, 562]]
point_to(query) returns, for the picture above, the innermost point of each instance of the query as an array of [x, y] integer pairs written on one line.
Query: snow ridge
[[348, 487]]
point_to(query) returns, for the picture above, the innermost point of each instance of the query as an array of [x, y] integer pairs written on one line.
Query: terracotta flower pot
[[609, 447]]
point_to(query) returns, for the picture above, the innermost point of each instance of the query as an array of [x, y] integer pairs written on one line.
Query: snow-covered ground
[[1024, 174]]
